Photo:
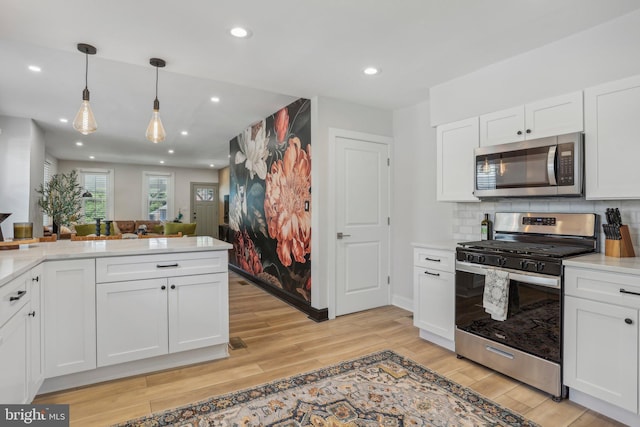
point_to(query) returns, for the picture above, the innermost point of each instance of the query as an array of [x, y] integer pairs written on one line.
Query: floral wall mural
[[270, 200]]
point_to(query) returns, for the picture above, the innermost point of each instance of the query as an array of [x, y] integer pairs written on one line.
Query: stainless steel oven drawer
[[537, 372]]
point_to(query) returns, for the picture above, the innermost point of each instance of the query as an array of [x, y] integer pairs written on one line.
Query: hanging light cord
[[85, 92], [156, 103]]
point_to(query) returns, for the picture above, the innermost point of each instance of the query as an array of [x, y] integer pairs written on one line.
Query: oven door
[[533, 323]]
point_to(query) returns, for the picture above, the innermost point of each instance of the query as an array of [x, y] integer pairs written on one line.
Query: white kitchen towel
[[495, 299]]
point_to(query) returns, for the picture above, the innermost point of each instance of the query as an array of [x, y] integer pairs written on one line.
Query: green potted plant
[[61, 199]]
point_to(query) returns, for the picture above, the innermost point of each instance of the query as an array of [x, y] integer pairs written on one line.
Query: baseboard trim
[[315, 314], [402, 302]]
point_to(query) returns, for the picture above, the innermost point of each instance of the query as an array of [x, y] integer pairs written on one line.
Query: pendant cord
[[86, 71], [156, 83]]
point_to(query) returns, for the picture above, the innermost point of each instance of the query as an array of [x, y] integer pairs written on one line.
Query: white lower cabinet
[[69, 316], [35, 328], [145, 318], [434, 302], [434, 295], [601, 335], [14, 385], [601, 351]]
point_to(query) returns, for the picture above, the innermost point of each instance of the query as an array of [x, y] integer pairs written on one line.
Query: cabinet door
[[455, 163], [198, 311], [69, 316], [434, 301], [611, 140], [502, 126], [13, 358], [554, 116], [132, 320], [601, 351], [36, 353]]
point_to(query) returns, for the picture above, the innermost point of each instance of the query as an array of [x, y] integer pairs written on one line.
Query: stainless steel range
[[509, 294]]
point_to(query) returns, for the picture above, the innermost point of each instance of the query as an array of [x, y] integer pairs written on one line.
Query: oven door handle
[[531, 278]]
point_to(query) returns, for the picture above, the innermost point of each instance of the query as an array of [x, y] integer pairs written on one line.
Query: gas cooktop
[[526, 248]]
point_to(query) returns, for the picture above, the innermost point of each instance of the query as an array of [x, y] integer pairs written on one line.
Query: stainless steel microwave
[[543, 167]]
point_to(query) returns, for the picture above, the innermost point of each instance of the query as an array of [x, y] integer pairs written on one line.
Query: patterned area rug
[[381, 389]]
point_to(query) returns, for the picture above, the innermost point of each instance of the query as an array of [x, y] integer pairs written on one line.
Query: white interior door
[[362, 224]]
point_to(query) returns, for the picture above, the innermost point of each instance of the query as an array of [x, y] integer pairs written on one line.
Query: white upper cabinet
[[611, 140], [548, 117], [455, 164]]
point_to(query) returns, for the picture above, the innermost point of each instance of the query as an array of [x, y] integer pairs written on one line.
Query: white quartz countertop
[[445, 245], [15, 262], [602, 262]]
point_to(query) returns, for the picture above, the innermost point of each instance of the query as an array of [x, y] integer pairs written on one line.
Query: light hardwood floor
[[282, 341]]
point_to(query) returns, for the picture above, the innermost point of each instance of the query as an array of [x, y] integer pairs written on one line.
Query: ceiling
[[297, 49]]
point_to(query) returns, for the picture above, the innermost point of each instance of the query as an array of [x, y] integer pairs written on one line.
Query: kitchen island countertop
[[15, 262]]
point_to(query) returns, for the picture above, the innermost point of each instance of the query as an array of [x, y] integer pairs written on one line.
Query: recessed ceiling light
[[63, 120], [229, 155], [371, 71], [215, 99], [211, 165], [240, 32], [35, 68], [162, 162], [92, 157], [171, 151], [184, 132], [79, 143]]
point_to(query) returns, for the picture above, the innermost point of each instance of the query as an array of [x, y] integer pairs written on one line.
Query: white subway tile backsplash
[[467, 216]]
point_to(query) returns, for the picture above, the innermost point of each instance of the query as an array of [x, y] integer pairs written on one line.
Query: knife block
[[620, 248]]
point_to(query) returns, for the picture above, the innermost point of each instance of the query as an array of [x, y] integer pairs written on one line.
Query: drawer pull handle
[[624, 291], [33, 313], [628, 321], [20, 295], [431, 259], [167, 265], [499, 352], [432, 274]]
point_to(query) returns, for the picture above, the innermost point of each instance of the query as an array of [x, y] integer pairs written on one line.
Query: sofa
[[128, 228]]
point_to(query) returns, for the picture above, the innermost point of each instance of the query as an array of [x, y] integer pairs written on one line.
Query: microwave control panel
[[566, 160]]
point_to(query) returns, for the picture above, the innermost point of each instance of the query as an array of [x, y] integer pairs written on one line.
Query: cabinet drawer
[[13, 296], [616, 288], [434, 259], [135, 267]]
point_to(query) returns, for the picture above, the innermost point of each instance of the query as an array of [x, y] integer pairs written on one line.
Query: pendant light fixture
[[155, 130], [85, 122]]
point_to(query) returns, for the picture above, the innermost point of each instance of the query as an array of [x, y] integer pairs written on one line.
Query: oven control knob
[[523, 264], [470, 257], [540, 266], [502, 261], [481, 259]]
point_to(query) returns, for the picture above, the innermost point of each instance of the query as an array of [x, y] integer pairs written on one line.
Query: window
[[48, 173], [157, 193], [97, 200]]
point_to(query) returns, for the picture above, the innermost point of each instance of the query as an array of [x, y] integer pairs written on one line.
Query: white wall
[[417, 216], [329, 113], [603, 53], [128, 185], [21, 148]]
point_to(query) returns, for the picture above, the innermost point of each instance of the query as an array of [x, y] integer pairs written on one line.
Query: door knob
[[341, 235]]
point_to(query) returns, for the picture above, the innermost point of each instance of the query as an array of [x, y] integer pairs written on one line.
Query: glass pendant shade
[[155, 130], [85, 122]]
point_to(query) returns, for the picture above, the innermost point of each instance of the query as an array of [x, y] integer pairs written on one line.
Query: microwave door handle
[[551, 165]]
